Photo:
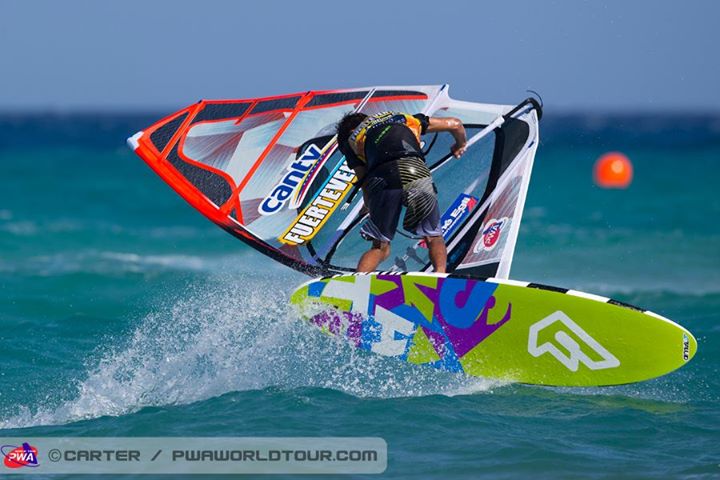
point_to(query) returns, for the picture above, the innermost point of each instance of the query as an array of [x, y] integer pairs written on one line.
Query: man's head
[[346, 126]]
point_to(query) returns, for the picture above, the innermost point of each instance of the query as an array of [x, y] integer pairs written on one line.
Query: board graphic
[[501, 329]]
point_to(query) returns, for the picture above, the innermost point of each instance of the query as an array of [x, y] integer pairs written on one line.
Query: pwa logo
[[491, 232], [285, 189], [18, 457], [573, 352]]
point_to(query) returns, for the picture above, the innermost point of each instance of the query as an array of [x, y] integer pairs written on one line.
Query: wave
[[217, 340], [93, 226], [134, 261], [30, 228], [112, 263]]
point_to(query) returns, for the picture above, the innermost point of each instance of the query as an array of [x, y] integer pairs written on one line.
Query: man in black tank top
[[384, 150]]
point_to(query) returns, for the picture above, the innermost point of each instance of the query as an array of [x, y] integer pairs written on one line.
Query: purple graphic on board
[[334, 321], [462, 307]]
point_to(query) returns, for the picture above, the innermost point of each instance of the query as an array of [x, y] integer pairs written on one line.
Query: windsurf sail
[[268, 171]]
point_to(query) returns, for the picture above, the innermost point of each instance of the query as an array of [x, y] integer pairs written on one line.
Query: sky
[[618, 55]]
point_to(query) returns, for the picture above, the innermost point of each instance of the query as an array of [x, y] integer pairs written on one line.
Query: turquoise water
[[124, 312]]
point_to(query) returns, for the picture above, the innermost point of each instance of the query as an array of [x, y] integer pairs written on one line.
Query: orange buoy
[[613, 170]]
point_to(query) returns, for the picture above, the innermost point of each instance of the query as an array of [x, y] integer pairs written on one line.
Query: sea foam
[[231, 334]]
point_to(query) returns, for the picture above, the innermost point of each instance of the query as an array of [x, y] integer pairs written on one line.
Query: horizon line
[[164, 111]]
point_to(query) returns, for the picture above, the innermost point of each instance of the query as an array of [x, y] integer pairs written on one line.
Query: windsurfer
[[385, 153]]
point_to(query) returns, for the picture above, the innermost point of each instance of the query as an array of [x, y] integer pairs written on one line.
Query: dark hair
[[346, 126]]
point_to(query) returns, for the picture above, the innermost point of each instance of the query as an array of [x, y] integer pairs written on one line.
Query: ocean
[[126, 313]]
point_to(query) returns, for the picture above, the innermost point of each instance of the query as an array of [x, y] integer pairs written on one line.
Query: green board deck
[[499, 329]]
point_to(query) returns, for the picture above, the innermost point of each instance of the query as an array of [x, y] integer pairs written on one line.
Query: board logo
[[285, 189], [573, 352], [19, 456], [491, 232], [686, 347], [454, 215]]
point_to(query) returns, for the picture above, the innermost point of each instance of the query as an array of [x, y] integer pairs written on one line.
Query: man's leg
[[372, 258], [384, 206], [438, 253]]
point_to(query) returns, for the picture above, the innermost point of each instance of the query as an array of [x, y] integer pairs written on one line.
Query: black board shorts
[[386, 200]]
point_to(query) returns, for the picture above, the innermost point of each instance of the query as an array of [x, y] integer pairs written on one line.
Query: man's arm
[[455, 127], [360, 172]]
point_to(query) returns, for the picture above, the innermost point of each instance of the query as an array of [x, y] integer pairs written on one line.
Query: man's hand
[[458, 150]]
